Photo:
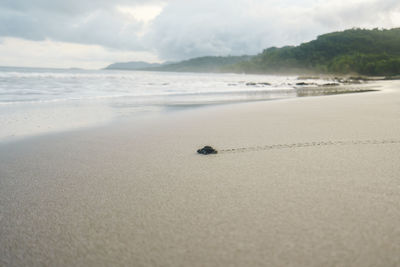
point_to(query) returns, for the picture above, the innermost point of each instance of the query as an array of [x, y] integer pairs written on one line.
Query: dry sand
[[137, 194]]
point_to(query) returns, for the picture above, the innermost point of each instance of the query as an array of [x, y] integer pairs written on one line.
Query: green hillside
[[202, 64], [133, 65], [367, 52]]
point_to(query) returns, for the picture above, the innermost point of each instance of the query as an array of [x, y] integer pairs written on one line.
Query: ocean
[[36, 101]]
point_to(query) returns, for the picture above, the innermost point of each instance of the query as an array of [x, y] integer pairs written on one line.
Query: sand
[[317, 183]]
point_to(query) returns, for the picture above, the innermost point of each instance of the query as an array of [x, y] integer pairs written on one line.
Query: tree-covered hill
[[133, 65], [202, 64], [361, 51], [367, 52]]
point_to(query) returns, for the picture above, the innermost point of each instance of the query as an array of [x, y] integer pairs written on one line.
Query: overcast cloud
[[177, 29]]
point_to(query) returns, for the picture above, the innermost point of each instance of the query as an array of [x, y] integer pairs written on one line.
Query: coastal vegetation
[[366, 52], [136, 65], [204, 64], [373, 52], [200, 64]]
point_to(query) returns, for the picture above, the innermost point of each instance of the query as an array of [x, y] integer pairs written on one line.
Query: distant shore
[[310, 181]]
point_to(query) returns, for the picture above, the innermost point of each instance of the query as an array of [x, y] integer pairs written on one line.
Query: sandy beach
[[311, 181]]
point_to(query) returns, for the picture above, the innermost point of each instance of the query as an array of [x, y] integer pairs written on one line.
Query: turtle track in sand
[[309, 144]]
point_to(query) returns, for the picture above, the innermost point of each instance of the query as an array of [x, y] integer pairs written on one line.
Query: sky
[[94, 33]]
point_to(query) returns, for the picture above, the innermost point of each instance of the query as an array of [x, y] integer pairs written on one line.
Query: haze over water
[[34, 101]]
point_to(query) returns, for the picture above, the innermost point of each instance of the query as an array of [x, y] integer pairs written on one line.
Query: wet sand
[[298, 182]]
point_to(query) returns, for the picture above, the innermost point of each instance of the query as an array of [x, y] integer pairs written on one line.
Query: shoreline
[[108, 120], [321, 189]]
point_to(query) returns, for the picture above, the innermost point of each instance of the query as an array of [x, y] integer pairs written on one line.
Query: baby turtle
[[207, 150]]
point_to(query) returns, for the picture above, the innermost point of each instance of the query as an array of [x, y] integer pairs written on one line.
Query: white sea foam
[[41, 100]]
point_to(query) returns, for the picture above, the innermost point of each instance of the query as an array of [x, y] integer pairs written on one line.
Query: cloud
[[98, 22], [186, 28], [181, 29], [344, 14], [18, 52]]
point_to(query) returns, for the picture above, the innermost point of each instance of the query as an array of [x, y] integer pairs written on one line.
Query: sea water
[[35, 101]]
